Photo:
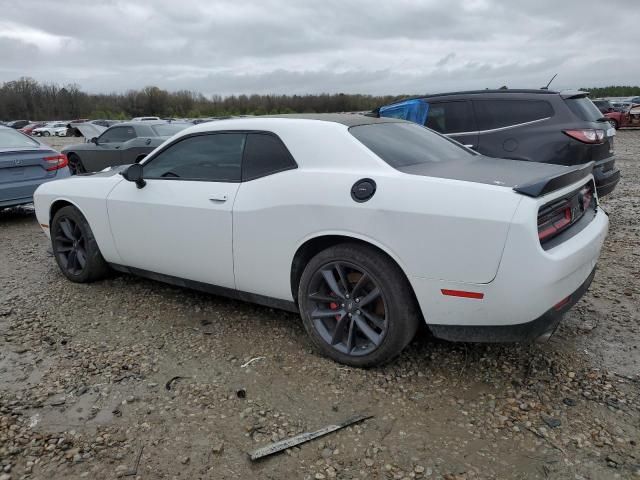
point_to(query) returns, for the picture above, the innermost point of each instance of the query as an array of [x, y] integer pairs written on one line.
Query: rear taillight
[[56, 162], [587, 135], [553, 222], [560, 214]]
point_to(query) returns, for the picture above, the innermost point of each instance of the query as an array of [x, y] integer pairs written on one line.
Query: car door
[[455, 119], [106, 151], [180, 222]]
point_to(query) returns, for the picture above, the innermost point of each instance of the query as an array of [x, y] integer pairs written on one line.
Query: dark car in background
[[563, 128], [121, 144], [604, 105], [18, 124], [26, 163]]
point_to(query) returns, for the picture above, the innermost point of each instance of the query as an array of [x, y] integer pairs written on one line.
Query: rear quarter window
[[265, 154], [491, 114]]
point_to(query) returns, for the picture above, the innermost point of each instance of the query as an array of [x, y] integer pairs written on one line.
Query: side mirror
[[133, 173], [94, 140]]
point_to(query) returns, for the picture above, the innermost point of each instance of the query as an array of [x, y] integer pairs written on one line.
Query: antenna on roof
[[552, 79]]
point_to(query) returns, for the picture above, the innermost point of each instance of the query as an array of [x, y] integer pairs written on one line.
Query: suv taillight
[[587, 135], [560, 214], [56, 162]]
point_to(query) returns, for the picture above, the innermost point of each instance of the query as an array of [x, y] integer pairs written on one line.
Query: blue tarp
[[412, 110]]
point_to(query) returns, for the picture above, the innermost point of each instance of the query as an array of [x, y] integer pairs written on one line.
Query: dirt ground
[[84, 372]]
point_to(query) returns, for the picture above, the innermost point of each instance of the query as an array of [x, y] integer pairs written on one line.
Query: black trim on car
[[522, 332], [540, 187], [288, 305]]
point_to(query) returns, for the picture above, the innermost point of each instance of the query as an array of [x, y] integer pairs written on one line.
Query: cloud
[[278, 46]]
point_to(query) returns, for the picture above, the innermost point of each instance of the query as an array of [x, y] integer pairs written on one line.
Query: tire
[[614, 123], [359, 334], [75, 164], [46, 134], [70, 232]]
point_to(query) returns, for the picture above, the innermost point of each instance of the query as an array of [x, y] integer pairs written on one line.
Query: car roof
[[348, 119], [565, 94], [505, 91]]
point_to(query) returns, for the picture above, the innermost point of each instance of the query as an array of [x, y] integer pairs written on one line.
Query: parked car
[[51, 128], [29, 128], [365, 226], [532, 125], [604, 105], [629, 117], [18, 124], [89, 128], [25, 164], [120, 144]]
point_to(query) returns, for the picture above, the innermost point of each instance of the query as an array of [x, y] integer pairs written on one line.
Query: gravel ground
[[84, 372]]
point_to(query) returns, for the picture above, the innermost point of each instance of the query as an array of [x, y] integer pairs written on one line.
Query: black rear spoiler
[[541, 187], [569, 94]]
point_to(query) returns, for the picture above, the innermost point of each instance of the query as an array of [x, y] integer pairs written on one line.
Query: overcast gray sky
[[299, 46]]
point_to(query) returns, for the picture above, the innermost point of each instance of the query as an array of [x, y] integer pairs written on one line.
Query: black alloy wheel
[[357, 305], [70, 246], [347, 308], [75, 248], [75, 164]]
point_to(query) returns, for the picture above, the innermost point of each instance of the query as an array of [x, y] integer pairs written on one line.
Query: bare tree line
[[31, 100], [28, 99]]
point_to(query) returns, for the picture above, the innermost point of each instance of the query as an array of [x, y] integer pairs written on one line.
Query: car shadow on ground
[[22, 213]]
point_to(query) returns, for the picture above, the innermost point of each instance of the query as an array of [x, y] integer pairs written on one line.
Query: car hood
[[89, 130]]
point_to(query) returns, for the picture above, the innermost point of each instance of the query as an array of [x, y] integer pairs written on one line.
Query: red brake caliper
[[334, 306]]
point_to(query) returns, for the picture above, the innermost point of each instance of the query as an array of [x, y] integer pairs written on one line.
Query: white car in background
[[366, 226], [52, 128], [145, 119]]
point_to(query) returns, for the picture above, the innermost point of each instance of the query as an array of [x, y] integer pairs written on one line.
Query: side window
[[450, 117], [117, 134], [210, 157], [503, 113], [265, 154]]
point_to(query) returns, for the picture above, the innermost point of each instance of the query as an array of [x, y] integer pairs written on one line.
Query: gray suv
[[563, 128]]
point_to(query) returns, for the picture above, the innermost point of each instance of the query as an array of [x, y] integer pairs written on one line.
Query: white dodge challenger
[[365, 226]]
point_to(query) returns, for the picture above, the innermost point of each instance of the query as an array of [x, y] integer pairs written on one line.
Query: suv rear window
[[505, 113], [450, 117], [584, 109], [403, 144]]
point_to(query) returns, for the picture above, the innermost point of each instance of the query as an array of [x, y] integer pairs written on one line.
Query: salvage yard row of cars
[[319, 214]]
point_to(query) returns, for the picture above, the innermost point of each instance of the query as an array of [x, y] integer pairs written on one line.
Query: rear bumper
[[541, 327], [20, 193], [606, 181]]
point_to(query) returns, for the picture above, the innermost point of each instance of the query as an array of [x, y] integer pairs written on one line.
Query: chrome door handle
[[218, 198]]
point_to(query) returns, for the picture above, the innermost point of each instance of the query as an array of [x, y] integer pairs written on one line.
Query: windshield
[[584, 109], [403, 144], [169, 129], [9, 138]]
